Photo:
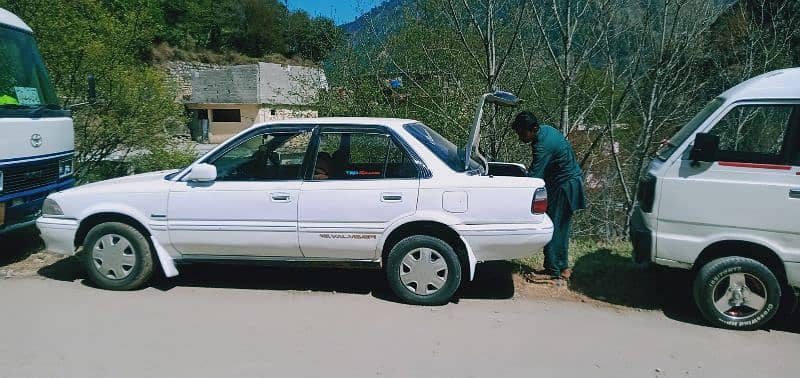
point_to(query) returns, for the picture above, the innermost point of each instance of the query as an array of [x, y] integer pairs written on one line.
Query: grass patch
[[605, 271]]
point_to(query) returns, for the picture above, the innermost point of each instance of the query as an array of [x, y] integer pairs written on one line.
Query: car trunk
[[506, 169]]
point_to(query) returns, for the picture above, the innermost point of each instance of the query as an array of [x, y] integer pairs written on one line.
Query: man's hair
[[525, 120]]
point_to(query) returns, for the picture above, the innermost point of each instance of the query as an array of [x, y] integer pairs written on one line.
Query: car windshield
[[24, 82], [669, 147], [440, 146]]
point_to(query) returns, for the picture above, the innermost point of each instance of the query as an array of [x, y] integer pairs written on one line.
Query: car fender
[[431, 216], [167, 263]]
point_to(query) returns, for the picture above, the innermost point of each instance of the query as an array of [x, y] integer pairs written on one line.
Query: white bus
[[36, 133]]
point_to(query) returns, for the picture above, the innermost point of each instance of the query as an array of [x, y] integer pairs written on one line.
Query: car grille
[[23, 178]]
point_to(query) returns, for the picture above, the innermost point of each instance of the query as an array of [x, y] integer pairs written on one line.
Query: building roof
[[781, 84], [262, 83]]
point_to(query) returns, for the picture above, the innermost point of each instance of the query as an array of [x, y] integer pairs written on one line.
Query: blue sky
[[341, 11]]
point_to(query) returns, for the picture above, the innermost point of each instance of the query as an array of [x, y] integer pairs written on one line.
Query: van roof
[[781, 84]]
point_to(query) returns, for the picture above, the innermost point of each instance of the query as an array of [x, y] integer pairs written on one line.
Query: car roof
[[781, 84], [365, 121], [10, 19]]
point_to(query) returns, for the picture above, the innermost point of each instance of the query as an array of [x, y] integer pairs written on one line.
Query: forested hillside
[[120, 42], [615, 76]]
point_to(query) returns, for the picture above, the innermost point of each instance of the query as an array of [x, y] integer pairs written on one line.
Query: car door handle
[[281, 197], [794, 193], [391, 197]]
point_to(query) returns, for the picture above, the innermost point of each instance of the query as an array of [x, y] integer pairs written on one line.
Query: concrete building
[[233, 98]]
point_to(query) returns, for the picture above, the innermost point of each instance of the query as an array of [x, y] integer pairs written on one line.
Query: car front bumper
[[58, 234]]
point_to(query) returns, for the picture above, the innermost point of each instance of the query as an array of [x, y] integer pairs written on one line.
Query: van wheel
[[117, 257], [423, 270], [737, 293]]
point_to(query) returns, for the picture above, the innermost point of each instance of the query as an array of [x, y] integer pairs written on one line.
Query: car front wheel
[[737, 293], [117, 257], [423, 270]]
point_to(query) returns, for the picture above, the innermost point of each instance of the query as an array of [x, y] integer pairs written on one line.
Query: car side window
[[366, 155], [265, 157], [753, 134]]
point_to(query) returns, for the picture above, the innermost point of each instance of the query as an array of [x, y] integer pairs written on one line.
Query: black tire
[[714, 283], [139, 251], [417, 246]]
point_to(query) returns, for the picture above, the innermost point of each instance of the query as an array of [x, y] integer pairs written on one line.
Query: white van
[[722, 197], [36, 134]]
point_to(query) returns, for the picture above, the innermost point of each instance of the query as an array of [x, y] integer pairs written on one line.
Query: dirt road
[[59, 326]]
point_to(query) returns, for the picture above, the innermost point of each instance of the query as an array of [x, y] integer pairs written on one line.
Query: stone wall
[[182, 72], [232, 85]]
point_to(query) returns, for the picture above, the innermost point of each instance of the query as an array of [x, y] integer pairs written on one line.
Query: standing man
[[554, 162]]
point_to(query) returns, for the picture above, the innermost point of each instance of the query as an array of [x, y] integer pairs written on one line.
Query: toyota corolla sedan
[[385, 193]]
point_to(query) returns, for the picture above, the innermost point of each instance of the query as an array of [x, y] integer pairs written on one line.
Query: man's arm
[[541, 158]]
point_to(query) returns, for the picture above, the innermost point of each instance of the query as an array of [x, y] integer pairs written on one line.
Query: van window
[[753, 133], [668, 148]]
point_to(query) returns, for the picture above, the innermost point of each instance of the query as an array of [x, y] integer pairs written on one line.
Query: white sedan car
[[387, 193]]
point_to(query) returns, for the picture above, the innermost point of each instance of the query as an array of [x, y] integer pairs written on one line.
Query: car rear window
[[444, 149]]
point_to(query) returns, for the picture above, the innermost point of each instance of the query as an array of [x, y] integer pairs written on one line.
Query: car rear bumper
[[58, 234], [506, 241]]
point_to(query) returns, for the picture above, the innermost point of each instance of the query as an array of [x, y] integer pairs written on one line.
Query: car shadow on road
[[68, 269], [609, 277], [19, 245], [494, 281]]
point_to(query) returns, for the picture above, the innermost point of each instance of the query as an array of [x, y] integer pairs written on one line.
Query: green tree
[[136, 110], [256, 26]]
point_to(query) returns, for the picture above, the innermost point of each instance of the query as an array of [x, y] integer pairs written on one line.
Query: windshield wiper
[[34, 110], [43, 108]]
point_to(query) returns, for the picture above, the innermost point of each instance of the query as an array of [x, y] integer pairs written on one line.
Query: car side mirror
[[202, 173], [705, 148]]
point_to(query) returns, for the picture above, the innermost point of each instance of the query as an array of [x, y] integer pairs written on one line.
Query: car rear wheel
[[423, 270], [117, 257], [737, 293]]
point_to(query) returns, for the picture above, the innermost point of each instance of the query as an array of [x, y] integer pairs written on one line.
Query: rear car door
[[370, 182], [753, 188]]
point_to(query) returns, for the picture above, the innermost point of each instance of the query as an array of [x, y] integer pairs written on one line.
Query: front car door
[[362, 181], [752, 189], [251, 209]]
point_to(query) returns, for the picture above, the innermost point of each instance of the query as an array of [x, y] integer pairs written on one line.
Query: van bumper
[[641, 238]]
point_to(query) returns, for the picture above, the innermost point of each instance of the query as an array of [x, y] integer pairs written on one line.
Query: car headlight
[[50, 208], [65, 168]]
